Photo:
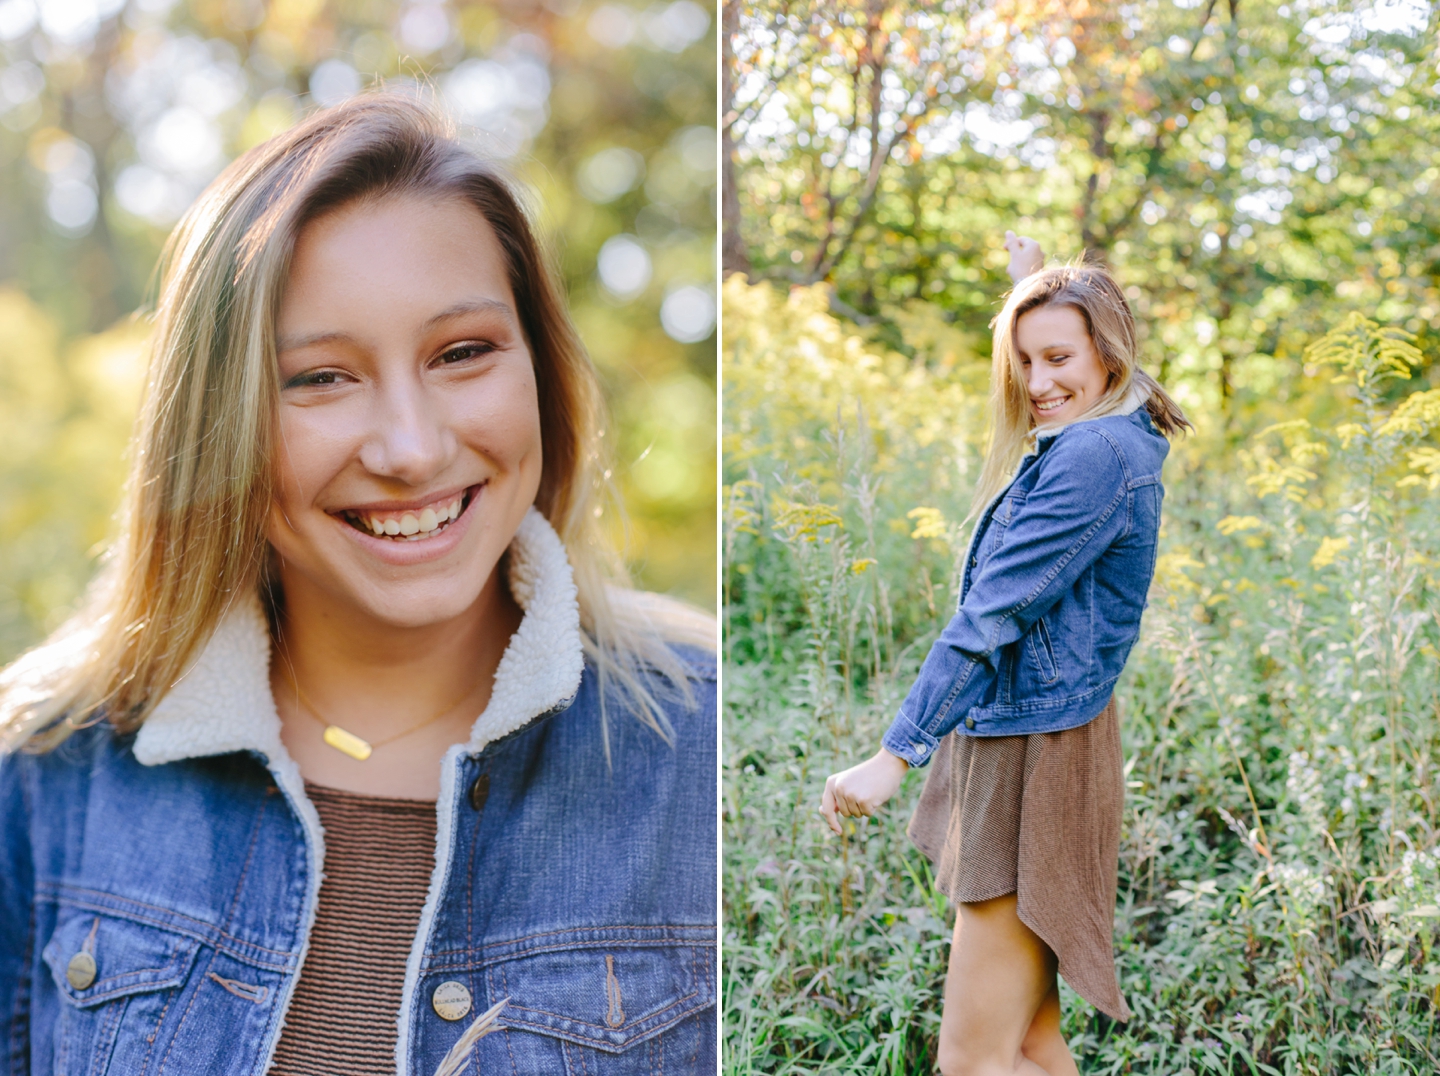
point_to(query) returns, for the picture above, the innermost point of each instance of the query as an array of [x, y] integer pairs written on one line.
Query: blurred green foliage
[[114, 114]]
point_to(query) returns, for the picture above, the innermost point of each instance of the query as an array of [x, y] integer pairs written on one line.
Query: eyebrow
[[469, 306]]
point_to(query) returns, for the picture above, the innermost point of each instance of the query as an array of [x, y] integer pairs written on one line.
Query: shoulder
[[1122, 447]]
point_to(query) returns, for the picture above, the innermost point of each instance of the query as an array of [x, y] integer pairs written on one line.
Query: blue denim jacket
[[184, 862], [1053, 587]]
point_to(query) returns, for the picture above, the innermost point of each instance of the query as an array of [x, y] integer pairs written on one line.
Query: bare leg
[[1002, 1005], [1044, 1044]]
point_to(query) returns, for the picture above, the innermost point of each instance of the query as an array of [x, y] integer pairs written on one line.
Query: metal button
[[969, 722], [81, 970], [451, 1000], [480, 792], [919, 747]]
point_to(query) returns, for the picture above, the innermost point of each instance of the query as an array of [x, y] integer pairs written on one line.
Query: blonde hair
[[192, 525], [1092, 291]]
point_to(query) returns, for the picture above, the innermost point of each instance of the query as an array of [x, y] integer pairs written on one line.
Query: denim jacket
[[157, 890], [1053, 585]]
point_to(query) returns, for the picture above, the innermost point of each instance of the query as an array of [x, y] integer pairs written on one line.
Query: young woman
[[250, 821], [1021, 813]]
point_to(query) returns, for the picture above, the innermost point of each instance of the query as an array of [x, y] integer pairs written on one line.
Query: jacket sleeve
[[17, 941], [1077, 508]]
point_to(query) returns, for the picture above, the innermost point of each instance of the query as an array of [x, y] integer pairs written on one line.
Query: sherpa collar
[[223, 703]]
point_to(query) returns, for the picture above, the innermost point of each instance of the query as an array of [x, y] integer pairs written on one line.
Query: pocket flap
[[94, 958], [610, 998]]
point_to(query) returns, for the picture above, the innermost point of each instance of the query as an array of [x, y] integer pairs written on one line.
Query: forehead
[[1054, 323], [429, 249]]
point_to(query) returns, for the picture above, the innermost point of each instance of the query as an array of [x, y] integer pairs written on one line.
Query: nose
[[1037, 380], [410, 438]]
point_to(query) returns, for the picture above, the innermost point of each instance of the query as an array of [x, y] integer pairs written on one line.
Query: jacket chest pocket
[[608, 1011], [1000, 520], [115, 979]]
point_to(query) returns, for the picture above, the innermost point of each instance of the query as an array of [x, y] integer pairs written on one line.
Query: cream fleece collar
[[223, 703]]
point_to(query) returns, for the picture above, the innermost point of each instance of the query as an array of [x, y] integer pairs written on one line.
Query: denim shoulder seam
[[1110, 440]]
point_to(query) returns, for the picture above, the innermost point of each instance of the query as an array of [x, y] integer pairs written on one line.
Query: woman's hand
[[1026, 257], [862, 790]]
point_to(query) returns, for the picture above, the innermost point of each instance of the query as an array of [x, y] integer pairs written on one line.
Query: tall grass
[[1279, 880]]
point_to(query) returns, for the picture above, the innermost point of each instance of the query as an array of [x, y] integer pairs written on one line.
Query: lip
[[421, 550], [407, 506]]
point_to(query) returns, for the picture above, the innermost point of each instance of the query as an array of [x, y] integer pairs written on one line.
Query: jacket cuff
[[909, 741]]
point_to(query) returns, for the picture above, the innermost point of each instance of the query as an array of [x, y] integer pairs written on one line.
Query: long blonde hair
[[1092, 291], [191, 535]]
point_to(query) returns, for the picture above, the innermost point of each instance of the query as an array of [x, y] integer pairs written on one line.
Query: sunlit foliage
[[1248, 167]]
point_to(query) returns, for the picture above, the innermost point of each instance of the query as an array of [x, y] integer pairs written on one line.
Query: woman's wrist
[[885, 752]]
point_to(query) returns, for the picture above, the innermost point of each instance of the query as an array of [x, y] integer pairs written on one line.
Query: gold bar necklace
[[357, 747]]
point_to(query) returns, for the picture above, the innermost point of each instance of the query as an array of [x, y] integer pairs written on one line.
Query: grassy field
[[1279, 879]]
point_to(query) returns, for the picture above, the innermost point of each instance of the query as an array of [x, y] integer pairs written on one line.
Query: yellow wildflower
[[1330, 548], [929, 523]]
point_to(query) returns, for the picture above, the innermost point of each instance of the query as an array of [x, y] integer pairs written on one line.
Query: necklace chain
[[358, 748]]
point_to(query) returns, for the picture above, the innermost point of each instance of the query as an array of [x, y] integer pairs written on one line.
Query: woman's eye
[[465, 352], [314, 377]]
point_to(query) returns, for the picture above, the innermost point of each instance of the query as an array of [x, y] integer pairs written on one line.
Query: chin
[[416, 610]]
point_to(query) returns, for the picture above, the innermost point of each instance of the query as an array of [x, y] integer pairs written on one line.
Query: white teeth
[[411, 525]]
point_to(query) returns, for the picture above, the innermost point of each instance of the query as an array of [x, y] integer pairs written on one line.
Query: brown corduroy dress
[[1037, 816]]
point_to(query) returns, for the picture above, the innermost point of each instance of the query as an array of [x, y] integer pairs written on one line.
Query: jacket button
[[81, 970], [451, 1000], [919, 748], [969, 722], [480, 792]]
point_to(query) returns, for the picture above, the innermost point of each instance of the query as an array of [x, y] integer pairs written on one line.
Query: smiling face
[[1063, 372], [409, 423]]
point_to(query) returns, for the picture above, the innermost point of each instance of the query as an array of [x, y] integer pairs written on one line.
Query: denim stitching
[[108, 1027], [546, 1029], [433, 963], [150, 1039], [208, 929], [245, 870], [509, 1046], [210, 935], [175, 1036]]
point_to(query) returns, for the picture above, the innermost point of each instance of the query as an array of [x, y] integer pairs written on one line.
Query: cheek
[[312, 445], [503, 425], [1097, 378]]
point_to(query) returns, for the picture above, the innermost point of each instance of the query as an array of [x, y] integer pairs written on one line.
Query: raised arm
[[1026, 257]]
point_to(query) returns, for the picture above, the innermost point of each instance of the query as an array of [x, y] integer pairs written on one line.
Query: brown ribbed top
[[378, 857]]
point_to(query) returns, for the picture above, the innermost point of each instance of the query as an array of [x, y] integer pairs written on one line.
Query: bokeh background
[[1261, 175], [114, 114]]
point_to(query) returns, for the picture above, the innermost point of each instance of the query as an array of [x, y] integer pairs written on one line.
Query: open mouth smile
[[1046, 406], [410, 524]]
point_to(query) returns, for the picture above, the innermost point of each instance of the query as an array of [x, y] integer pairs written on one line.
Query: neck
[[374, 678]]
